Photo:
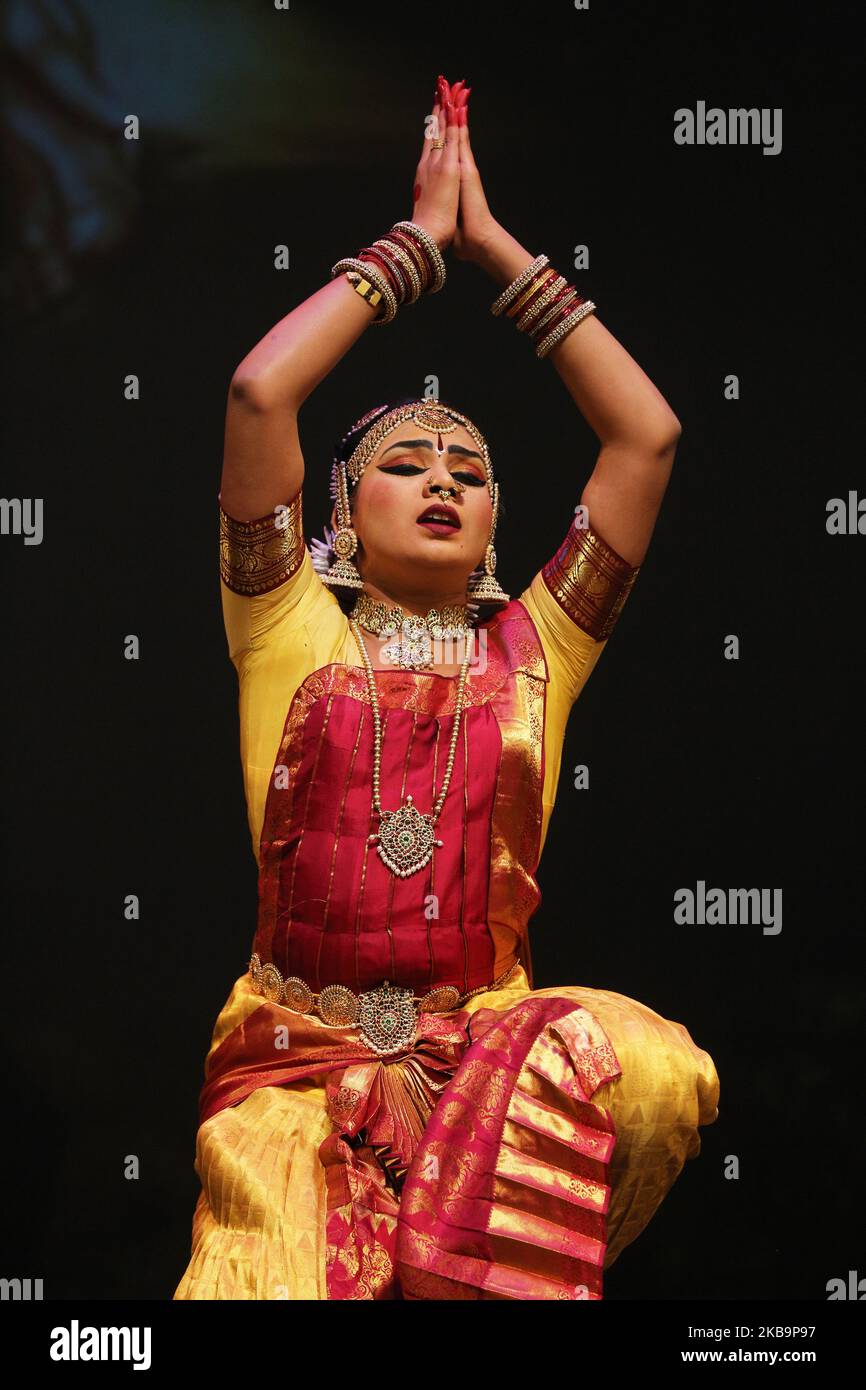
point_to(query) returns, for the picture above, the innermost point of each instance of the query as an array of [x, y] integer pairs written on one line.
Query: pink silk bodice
[[329, 910]]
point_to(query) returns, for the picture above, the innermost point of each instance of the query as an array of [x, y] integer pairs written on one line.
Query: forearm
[[299, 351], [263, 464], [616, 398]]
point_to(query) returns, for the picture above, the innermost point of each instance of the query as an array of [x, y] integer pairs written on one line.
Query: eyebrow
[[427, 444]]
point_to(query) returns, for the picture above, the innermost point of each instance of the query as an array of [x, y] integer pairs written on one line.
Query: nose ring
[[448, 491]]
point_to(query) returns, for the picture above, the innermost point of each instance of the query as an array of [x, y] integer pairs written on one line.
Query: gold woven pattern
[[590, 581], [256, 556]]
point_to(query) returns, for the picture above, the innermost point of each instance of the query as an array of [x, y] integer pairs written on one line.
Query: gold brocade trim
[[514, 894], [257, 556], [589, 581]]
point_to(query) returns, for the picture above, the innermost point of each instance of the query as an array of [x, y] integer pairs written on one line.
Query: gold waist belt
[[386, 1015]]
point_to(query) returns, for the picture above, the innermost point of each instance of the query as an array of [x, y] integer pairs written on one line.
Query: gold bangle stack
[[542, 304], [397, 269]]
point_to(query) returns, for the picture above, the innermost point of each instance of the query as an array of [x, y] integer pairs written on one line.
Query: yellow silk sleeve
[[575, 601], [267, 579]]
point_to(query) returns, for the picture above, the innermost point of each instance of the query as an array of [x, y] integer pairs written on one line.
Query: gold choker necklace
[[413, 647]]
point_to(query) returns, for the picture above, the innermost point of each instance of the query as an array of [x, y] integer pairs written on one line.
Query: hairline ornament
[[333, 558], [429, 415]]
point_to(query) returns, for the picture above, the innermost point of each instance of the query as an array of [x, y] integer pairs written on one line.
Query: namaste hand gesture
[[449, 200]]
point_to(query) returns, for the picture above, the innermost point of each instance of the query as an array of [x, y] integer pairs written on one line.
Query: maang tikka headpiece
[[333, 559]]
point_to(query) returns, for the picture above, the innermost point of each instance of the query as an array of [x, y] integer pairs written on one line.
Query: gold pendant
[[387, 1019], [405, 839]]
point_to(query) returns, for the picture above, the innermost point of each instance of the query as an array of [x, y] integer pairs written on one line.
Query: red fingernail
[[461, 116]]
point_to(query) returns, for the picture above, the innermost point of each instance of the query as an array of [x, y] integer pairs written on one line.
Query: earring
[[485, 587], [342, 573]]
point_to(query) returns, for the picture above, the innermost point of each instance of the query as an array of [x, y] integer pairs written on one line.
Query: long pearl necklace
[[405, 836]]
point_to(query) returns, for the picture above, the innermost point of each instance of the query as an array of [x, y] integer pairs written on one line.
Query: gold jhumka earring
[[483, 586], [343, 573]]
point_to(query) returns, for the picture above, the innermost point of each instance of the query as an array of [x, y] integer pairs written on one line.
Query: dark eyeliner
[[408, 468]]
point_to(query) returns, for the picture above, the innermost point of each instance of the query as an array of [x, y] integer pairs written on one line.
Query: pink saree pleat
[[508, 1189]]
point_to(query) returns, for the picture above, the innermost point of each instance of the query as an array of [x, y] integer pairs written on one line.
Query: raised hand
[[476, 225], [436, 194]]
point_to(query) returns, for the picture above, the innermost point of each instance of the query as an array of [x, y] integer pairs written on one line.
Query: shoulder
[[269, 585], [575, 601]]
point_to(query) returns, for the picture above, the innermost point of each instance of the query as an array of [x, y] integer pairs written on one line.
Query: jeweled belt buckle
[[388, 1019], [387, 1016]]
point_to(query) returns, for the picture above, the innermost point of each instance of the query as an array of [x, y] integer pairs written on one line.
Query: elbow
[[666, 437], [662, 442], [652, 439], [248, 391], [252, 391]]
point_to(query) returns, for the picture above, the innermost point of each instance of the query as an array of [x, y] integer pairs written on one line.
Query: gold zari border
[[589, 581], [256, 556]]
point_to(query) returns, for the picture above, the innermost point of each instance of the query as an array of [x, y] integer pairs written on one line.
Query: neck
[[417, 601]]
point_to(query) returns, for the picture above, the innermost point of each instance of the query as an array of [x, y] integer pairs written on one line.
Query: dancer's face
[[395, 550]]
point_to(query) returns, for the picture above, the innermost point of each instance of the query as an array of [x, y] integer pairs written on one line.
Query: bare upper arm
[[624, 494], [262, 460]]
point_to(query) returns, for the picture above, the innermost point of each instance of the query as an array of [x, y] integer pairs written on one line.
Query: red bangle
[[420, 258], [563, 293], [530, 305], [537, 332], [418, 255], [398, 269], [538, 307], [369, 255], [543, 280]]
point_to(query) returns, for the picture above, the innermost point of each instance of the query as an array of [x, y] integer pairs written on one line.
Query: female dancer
[[391, 1109]]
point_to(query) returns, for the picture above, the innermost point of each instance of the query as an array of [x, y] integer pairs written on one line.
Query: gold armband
[[257, 556], [589, 581]]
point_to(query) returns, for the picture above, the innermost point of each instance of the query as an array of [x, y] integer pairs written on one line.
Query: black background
[[124, 776]]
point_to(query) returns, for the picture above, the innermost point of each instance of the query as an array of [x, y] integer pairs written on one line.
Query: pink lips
[[426, 517]]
